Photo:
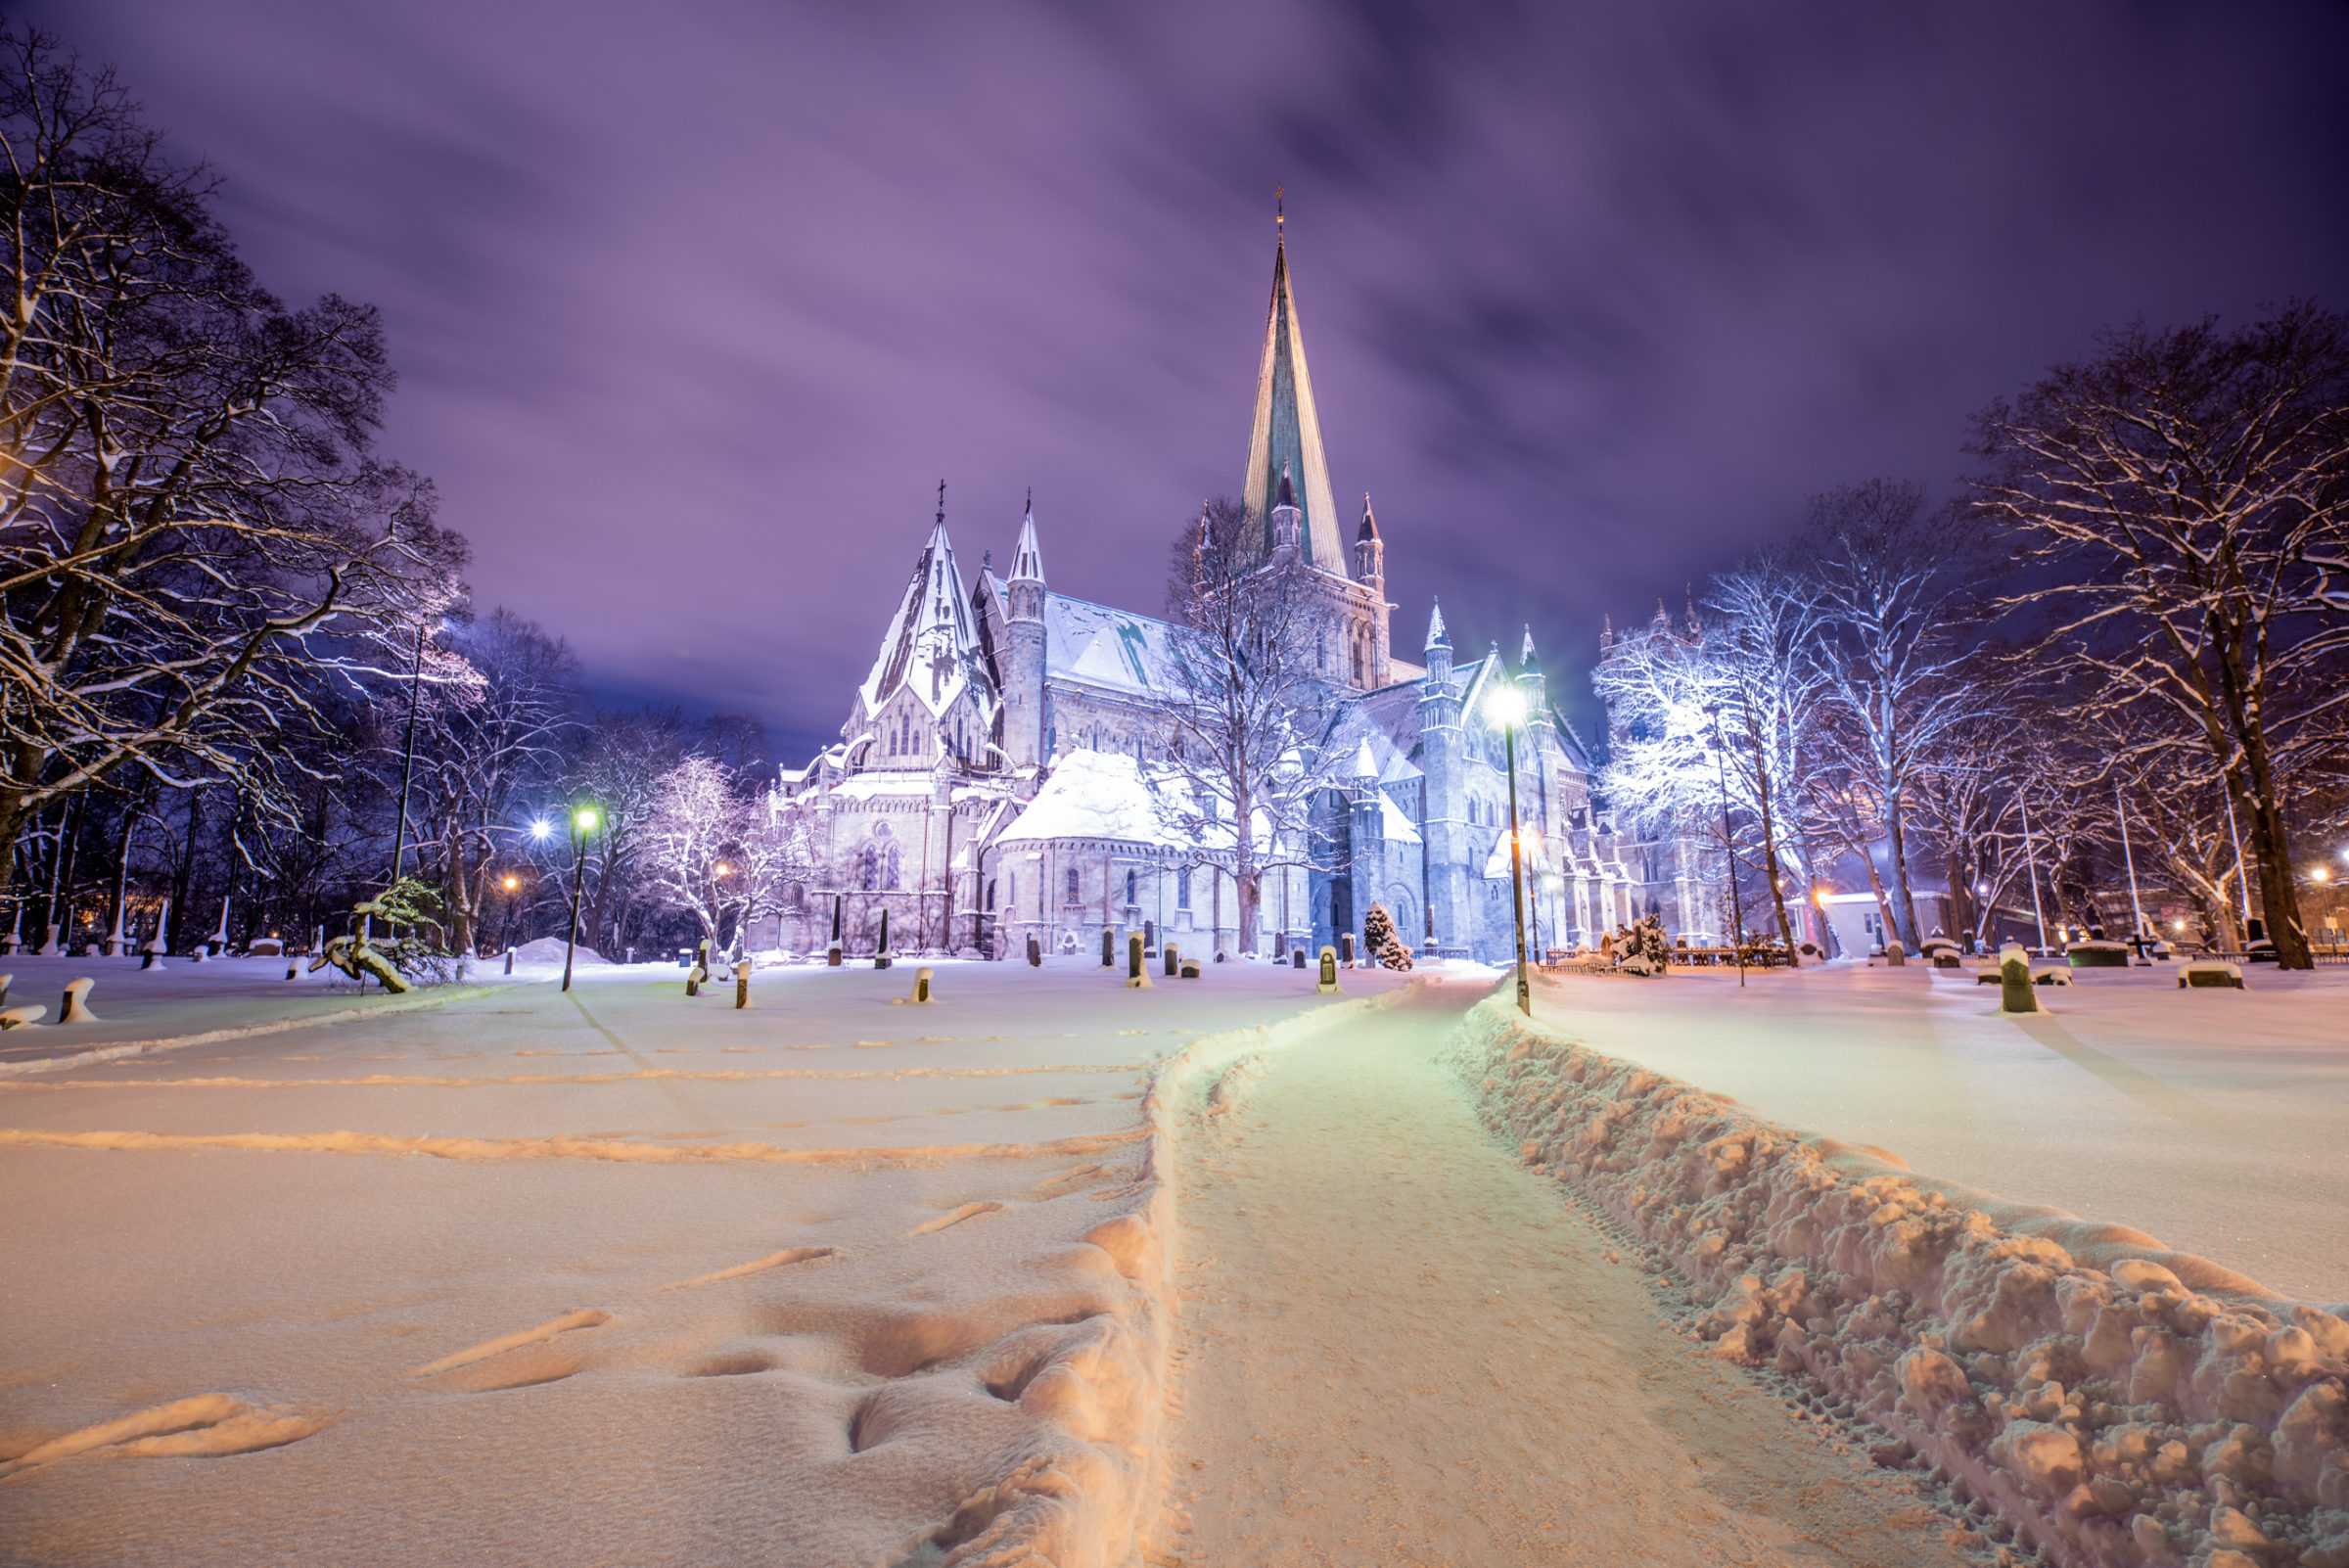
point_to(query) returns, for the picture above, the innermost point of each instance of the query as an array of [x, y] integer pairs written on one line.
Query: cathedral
[[1001, 774]]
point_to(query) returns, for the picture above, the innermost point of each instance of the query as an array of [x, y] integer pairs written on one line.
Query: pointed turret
[[1530, 678], [1287, 520], [1286, 434], [1369, 551], [1022, 657], [1606, 635], [1437, 636]]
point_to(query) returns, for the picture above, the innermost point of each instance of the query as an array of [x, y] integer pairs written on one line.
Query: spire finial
[[1280, 215], [942, 502], [1031, 509]]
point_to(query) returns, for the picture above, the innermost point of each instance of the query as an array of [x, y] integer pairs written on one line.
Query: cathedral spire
[[1287, 431], [1437, 636], [1028, 560]]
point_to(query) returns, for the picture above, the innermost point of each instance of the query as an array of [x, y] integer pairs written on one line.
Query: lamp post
[[583, 822], [1728, 846], [407, 767], [1507, 705]]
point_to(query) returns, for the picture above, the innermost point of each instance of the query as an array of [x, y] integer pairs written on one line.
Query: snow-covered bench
[[2212, 973]]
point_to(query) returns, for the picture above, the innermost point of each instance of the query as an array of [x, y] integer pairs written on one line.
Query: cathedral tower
[[1444, 762], [1285, 438]]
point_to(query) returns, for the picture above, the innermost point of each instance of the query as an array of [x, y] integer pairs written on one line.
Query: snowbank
[[2118, 1405], [547, 952]]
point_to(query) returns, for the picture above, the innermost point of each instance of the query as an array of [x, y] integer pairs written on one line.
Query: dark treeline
[[235, 642]]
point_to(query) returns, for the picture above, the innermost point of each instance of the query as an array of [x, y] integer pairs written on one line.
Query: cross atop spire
[[941, 503]]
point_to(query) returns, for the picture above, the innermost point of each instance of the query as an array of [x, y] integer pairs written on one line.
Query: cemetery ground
[[514, 1277]]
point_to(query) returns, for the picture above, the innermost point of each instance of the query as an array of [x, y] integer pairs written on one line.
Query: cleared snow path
[[2210, 1118], [1398, 1347]]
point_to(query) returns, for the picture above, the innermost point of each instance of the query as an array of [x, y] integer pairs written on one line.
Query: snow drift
[[2118, 1405]]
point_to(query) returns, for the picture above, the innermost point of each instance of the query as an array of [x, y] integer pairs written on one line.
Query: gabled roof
[[1286, 434], [1115, 650], [931, 645], [1094, 795]]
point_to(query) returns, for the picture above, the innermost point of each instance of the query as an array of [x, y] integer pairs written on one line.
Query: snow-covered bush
[[412, 948], [1380, 941], [1640, 948]]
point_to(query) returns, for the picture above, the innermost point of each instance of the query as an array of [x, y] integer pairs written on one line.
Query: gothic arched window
[[1130, 883]]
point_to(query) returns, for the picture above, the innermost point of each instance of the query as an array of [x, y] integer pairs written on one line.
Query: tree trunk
[[1897, 842], [184, 873]]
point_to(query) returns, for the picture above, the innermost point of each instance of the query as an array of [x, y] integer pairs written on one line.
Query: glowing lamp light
[[585, 818], [540, 828], [2323, 874], [724, 869], [512, 883], [1505, 704]]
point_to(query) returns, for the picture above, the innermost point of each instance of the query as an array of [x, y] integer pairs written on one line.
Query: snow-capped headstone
[[1328, 984], [881, 954], [18, 1017], [2015, 994], [76, 1006], [1036, 952], [1109, 957], [2213, 973], [1346, 948], [1895, 955], [1172, 963], [1137, 976], [741, 983]]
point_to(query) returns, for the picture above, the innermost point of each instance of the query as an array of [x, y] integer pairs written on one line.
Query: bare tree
[[493, 731], [1243, 702], [194, 528], [2179, 491], [1891, 662], [710, 850]]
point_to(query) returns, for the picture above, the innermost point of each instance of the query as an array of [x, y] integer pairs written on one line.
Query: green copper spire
[[1287, 434]]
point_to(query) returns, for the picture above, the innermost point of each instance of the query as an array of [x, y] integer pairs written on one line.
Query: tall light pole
[[583, 822], [1507, 705], [1728, 846], [407, 767]]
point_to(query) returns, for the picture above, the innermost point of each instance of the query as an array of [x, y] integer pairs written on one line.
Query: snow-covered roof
[[868, 786], [931, 646], [1094, 795], [1398, 828], [1113, 649]]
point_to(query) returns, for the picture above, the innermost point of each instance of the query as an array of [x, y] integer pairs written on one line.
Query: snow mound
[[548, 950], [2116, 1403]]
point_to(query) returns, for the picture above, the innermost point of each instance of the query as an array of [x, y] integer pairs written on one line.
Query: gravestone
[[1137, 976], [2015, 994], [1109, 949], [742, 984], [1036, 952], [881, 954], [77, 1008], [1328, 985], [1172, 969], [1346, 948], [1298, 956], [1895, 955]]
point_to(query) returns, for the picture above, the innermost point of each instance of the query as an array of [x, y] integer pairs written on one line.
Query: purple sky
[[695, 304]]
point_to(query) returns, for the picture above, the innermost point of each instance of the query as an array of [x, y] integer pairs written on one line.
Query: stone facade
[[994, 780]]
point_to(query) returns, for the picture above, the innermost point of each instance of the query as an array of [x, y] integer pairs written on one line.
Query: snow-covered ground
[[176, 998], [616, 1277], [2213, 1120]]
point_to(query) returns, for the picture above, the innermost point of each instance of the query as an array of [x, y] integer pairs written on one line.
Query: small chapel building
[[998, 778]]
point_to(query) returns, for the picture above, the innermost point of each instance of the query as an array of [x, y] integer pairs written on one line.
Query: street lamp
[[1507, 706], [583, 822]]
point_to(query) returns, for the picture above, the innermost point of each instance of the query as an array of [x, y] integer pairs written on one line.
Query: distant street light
[[1507, 706], [583, 822]]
